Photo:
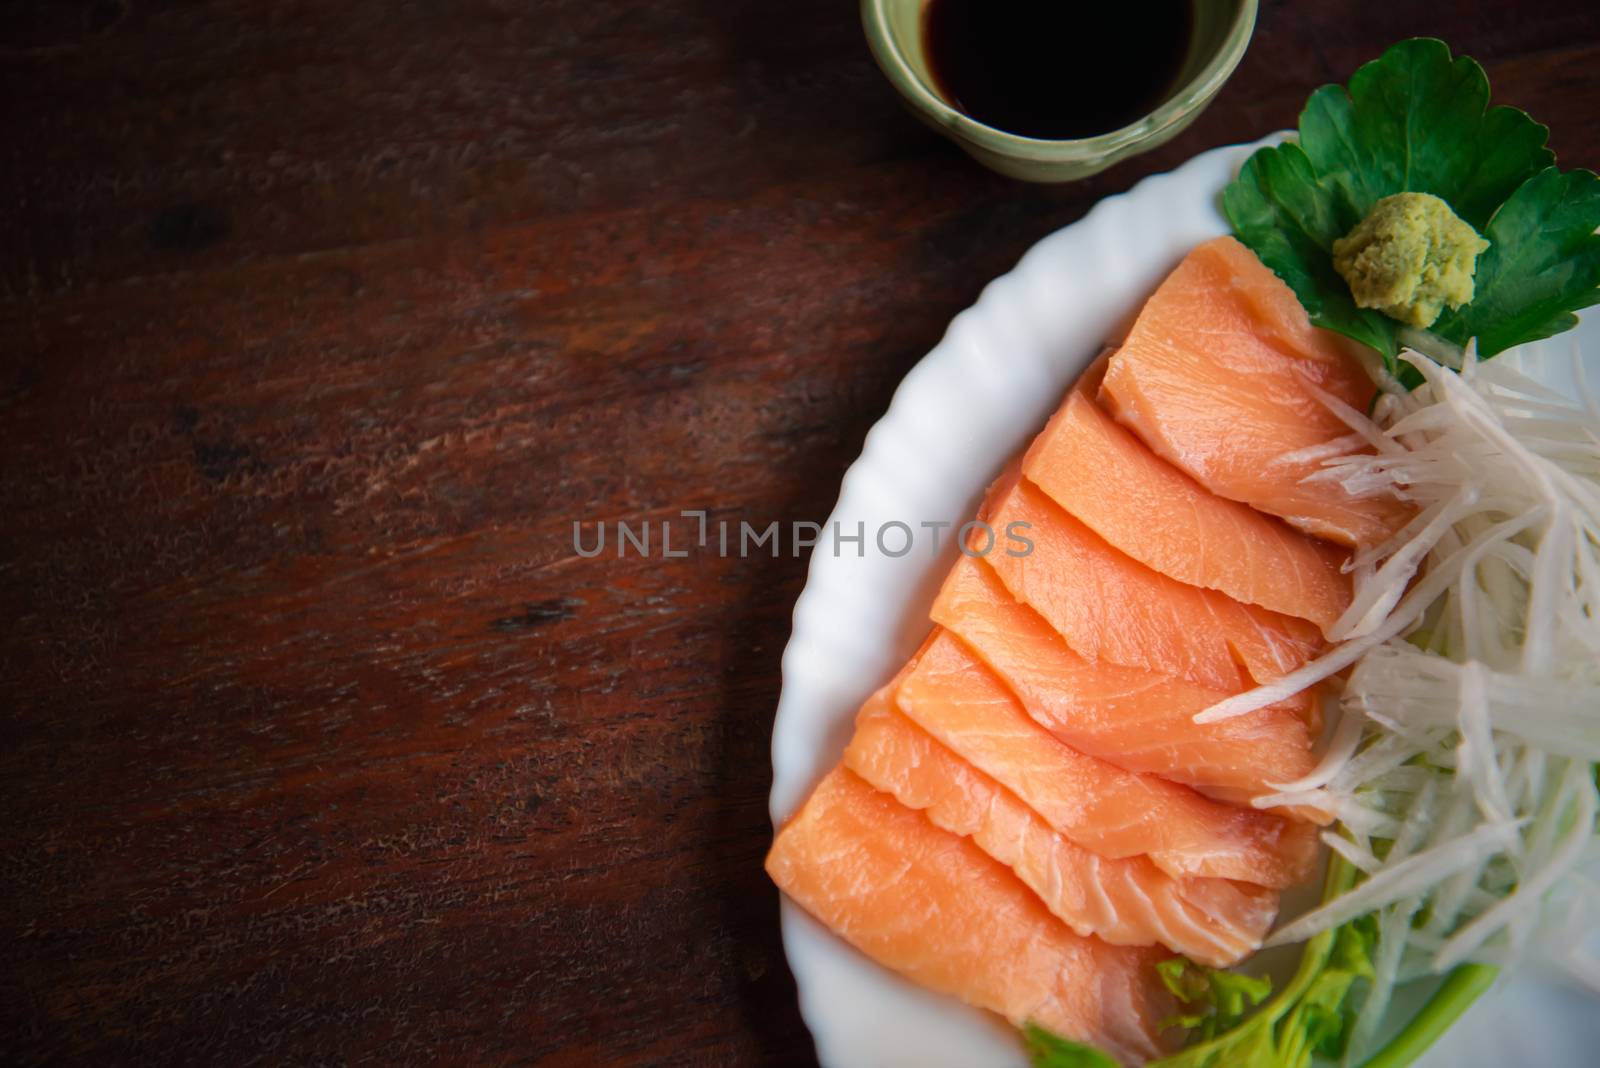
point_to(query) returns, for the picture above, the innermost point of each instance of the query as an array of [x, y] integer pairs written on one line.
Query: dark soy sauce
[[1057, 70]]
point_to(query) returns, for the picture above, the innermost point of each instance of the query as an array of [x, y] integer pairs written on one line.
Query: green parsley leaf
[[1542, 264], [1418, 120]]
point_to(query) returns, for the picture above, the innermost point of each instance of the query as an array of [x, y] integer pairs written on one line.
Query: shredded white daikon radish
[[1462, 771]]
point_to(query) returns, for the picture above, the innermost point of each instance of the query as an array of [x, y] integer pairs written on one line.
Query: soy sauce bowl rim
[[1185, 99]]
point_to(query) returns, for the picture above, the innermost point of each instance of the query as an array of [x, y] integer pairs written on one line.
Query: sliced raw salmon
[[1134, 718], [1094, 803], [1221, 375], [932, 906], [1126, 902], [1108, 606], [1140, 504]]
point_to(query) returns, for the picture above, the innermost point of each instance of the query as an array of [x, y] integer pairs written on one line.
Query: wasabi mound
[[1409, 258]]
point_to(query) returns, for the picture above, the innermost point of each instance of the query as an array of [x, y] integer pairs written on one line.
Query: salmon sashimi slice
[[1103, 808], [1124, 902], [1223, 375], [1140, 504], [932, 906], [1108, 606], [1130, 717]]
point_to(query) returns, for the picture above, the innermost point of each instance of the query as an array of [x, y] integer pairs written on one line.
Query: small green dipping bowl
[[1222, 31]]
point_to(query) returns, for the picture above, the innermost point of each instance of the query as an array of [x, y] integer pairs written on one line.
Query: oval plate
[[958, 416]]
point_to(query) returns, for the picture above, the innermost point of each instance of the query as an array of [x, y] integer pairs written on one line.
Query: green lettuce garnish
[[1313, 1015], [1418, 120], [1047, 1050], [1213, 1000]]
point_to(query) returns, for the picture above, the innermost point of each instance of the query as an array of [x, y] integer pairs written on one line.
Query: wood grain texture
[[319, 325]]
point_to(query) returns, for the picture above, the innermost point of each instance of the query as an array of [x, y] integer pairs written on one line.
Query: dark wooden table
[[320, 325]]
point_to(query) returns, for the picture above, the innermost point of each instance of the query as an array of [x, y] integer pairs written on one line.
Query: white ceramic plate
[[965, 409]]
